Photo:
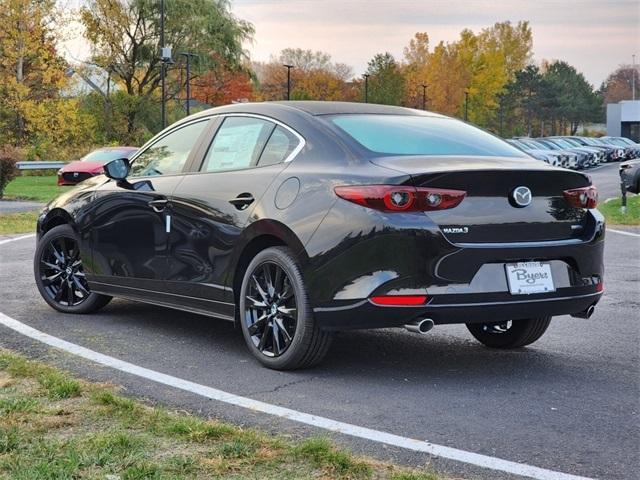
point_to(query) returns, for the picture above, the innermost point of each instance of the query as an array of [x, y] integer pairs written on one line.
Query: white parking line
[[622, 232], [479, 460], [14, 239]]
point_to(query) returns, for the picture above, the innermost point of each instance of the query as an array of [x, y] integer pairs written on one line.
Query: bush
[[8, 168]]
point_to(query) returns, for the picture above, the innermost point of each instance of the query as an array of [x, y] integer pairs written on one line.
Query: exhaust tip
[[585, 313], [420, 326]]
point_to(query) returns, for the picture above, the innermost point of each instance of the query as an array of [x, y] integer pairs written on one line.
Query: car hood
[[83, 166]]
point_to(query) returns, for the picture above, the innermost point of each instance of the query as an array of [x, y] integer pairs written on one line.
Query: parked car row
[[576, 152]]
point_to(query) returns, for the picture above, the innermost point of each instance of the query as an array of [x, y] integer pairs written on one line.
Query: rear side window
[[237, 144], [280, 145], [418, 135]]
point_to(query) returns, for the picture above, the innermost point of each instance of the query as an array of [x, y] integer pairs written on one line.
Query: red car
[[91, 164]]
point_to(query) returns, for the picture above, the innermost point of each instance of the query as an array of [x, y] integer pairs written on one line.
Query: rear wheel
[[275, 316], [510, 334], [59, 273]]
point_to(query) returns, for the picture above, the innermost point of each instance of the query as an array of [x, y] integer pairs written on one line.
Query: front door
[[130, 230]]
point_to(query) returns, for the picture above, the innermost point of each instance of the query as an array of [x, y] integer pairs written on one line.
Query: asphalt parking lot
[[569, 403]]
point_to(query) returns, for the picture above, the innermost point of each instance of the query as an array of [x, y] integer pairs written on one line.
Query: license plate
[[529, 277]]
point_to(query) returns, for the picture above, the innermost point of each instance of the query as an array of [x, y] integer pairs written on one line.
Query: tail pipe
[[585, 313], [420, 326]]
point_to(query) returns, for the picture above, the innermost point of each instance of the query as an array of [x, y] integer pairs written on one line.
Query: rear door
[[212, 206], [129, 231]]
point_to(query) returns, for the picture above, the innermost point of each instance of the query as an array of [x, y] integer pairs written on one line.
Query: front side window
[[422, 135], [237, 144], [169, 154]]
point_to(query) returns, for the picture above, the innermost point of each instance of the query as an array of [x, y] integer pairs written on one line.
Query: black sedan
[[298, 219]]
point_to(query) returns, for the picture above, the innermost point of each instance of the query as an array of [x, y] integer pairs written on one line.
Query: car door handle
[[158, 205], [242, 201]]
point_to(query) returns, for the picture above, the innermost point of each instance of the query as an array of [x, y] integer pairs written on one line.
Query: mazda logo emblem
[[521, 196]]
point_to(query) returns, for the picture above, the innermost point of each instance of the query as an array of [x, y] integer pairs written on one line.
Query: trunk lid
[[490, 213]]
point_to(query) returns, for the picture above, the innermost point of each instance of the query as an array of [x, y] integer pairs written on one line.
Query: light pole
[[188, 56], [466, 105], [162, 65], [366, 87], [633, 78], [424, 96], [289, 67]]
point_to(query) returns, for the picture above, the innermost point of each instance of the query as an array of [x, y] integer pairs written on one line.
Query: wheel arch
[[54, 218], [258, 236]]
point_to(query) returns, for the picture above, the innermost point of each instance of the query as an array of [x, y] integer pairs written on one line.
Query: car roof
[[317, 108]]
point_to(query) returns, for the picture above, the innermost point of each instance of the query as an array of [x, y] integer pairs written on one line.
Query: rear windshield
[[417, 135]]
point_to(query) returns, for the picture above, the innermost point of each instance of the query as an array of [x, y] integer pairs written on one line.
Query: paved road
[[607, 179], [14, 206], [568, 403]]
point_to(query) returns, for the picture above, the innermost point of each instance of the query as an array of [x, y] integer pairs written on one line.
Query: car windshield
[[549, 145], [106, 155], [422, 135], [566, 143], [519, 144]]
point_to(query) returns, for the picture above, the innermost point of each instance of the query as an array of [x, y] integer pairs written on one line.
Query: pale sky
[[596, 36]]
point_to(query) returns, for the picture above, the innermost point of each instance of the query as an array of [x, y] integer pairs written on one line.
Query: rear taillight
[[396, 198], [399, 300], [585, 197]]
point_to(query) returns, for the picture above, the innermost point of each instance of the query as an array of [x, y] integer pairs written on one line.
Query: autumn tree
[[386, 83], [481, 64], [619, 84], [314, 76], [125, 41], [33, 111]]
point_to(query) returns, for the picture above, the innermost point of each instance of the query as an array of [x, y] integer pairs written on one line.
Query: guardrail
[[39, 165]]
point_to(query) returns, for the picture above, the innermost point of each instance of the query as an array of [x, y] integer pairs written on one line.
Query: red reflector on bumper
[[400, 300], [600, 287]]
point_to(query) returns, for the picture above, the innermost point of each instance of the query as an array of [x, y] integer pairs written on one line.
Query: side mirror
[[117, 169]]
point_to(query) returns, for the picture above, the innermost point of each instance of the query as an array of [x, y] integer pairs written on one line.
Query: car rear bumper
[[449, 310], [463, 282]]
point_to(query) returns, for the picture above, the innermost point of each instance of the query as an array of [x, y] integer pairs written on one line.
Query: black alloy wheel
[[60, 276], [271, 312], [511, 333], [275, 316]]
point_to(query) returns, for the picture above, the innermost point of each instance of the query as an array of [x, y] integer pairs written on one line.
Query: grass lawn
[[39, 189], [23, 222], [611, 211], [55, 426]]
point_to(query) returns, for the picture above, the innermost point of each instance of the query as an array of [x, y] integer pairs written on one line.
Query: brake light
[[398, 198], [585, 197], [399, 300]]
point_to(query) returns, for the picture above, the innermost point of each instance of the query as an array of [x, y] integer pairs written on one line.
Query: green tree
[[576, 100], [125, 41], [386, 83]]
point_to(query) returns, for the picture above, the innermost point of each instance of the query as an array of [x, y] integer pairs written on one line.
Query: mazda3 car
[[91, 164], [299, 219]]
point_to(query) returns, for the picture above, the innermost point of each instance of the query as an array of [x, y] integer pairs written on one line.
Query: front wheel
[[275, 316], [509, 334], [60, 276]]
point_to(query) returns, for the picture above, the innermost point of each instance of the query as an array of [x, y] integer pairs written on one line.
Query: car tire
[[64, 290], [512, 334], [272, 288]]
